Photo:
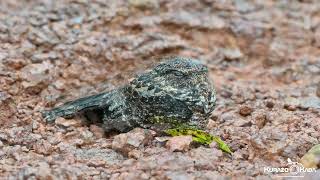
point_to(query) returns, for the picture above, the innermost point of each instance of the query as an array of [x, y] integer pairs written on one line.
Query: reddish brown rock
[[67, 122], [179, 143], [133, 139], [97, 131], [245, 110]]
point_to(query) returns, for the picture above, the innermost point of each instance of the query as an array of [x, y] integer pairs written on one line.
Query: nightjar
[[175, 92]]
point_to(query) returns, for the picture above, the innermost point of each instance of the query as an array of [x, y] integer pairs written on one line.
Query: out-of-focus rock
[[86, 136], [16, 63], [8, 109], [205, 158], [232, 53], [269, 142], [244, 6], [245, 110], [144, 3], [67, 122], [312, 158], [242, 122], [109, 156], [270, 104], [35, 76], [135, 153], [43, 147], [162, 139], [97, 131], [318, 90], [97, 163], [310, 102], [278, 53], [260, 120], [179, 143], [194, 19], [133, 139], [39, 57], [292, 103]]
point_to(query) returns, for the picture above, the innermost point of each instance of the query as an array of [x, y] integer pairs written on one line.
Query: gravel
[[263, 57]]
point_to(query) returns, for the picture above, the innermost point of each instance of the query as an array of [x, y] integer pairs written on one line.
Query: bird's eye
[[178, 73]]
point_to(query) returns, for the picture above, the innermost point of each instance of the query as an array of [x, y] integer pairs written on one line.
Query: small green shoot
[[200, 137]]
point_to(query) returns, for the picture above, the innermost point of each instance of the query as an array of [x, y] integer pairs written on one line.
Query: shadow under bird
[[175, 92]]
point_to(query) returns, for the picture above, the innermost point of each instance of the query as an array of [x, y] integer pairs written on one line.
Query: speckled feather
[[177, 89]]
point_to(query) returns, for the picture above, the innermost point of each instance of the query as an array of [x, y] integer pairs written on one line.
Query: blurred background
[[263, 55]]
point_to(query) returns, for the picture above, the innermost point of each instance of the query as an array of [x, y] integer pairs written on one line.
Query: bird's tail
[[71, 108]]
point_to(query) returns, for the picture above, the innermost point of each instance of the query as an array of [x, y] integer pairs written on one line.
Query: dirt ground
[[264, 60]]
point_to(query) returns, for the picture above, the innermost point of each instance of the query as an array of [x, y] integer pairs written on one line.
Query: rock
[[97, 131], [269, 141], [35, 76], [318, 90], [244, 6], [43, 147], [1, 144], [179, 143], [98, 155], [260, 120], [16, 63], [67, 122], [176, 175], [40, 57], [278, 52], [212, 123], [312, 176], [292, 103], [162, 139], [144, 3], [97, 163], [133, 139], [8, 109], [227, 117], [135, 154], [205, 158], [270, 104], [245, 110], [310, 102], [312, 158], [213, 144], [86, 135], [195, 20], [242, 123], [232, 53]]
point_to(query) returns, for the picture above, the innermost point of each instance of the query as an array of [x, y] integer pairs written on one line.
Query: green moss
[[182, 128], [173, 122], [200, 137]]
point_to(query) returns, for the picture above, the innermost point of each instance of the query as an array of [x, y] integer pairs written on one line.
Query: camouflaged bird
[[175, 92]]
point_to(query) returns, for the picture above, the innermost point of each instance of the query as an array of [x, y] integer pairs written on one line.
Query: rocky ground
[[264, 58]]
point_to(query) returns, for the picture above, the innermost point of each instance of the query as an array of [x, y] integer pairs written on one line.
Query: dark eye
[[178, 73]]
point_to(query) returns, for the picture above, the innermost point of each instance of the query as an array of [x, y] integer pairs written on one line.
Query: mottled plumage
[[175, 92]]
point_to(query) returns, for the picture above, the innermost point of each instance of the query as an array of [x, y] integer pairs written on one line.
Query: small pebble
[[318, 90], [97, 131], [67, 122], [270, 104], [136, 154], [245, 110]]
